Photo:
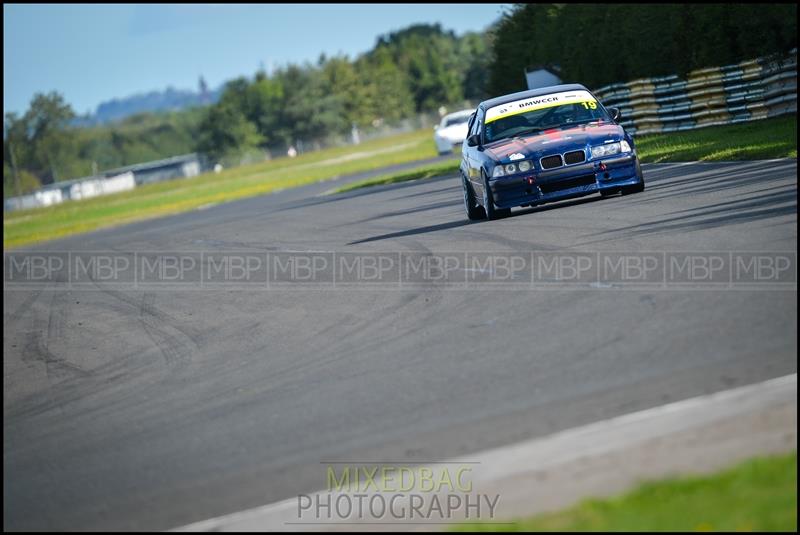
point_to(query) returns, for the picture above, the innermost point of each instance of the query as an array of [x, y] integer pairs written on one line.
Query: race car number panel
[[537, 103]]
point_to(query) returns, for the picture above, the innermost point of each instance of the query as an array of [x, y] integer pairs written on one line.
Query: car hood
[[554, 141], [455, 131]]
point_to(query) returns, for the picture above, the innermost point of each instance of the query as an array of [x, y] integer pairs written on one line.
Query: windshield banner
[[537, 103]]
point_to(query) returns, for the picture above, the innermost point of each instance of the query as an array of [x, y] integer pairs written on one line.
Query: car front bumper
[[447, 144], [566, 182]]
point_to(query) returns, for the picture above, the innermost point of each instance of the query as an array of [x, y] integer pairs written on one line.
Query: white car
[[451, 131]]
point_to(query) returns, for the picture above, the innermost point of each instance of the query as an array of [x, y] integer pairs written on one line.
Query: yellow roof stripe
[[537, 103]]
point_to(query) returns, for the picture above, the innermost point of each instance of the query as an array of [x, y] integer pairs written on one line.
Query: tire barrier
[[746, 91]]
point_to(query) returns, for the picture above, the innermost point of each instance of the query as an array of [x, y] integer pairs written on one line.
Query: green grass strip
[[429, 171], [757, 495], [23, 227], [755, 140]]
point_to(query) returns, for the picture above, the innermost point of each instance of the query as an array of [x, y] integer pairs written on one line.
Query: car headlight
[[605, 150], [511, 168], [610, 148]]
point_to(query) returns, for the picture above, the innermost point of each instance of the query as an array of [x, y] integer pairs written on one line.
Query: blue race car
[[545, 145]]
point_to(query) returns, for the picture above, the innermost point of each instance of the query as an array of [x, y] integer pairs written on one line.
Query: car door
[[476, 157], [466, 150]]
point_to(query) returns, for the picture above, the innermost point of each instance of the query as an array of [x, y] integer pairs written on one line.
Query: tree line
[[414, 70], [599, 44], [42, 146]]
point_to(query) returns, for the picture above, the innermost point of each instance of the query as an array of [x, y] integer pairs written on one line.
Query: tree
[[14, 142], [226, 132], [609, 43], [52, 148], [339, 77], [264, 103], [474, 57], [427, 56], [26, 182], [386, 93], [311, 111]]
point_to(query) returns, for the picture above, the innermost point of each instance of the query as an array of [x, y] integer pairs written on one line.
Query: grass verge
[[153, 200], [429, 171], [771, 138], [756, 140], [757, 495]]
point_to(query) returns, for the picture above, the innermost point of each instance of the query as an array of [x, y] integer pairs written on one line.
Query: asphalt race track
[[151, 409]]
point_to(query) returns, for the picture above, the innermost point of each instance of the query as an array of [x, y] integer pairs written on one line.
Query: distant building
[[187, 165], [542, 76], [82, 188], [111, 181]]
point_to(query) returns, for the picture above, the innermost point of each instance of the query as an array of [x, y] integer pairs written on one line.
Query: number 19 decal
[[588, 105]]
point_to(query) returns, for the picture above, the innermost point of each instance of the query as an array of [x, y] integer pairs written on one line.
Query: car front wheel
[[474, 212], [488, 203], [608, 192], [636, 188]]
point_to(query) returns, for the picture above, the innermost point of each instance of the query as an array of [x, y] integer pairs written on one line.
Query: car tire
[[630, 190], [608, 192], [636, 188], [471, 207], [492, 213]]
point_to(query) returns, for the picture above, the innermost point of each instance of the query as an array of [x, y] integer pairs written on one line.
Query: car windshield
[[531, 116], [450, 121]]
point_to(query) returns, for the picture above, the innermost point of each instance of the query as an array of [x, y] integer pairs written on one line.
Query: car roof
[[486, 104]]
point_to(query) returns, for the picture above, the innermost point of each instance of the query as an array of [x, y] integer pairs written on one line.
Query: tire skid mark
[[24, 307], [176, 343], [159, 317], [176, 348], [210, 242], [332, 350], [347, 342], [37, 347], [103, 379], [495, 237]]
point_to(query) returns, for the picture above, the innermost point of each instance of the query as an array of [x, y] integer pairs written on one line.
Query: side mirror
[[474, 140], [616, 115]]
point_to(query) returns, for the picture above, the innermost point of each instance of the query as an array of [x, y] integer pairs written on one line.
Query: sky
[[93, 53]]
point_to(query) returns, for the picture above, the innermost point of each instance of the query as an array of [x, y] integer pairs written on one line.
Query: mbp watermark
[[110, 270], [311, 269], [564, 269], [434, 269], [172, 269], [452, 270], [757, 269], [35, 269], [234, 270], [498, 269], [631, 269], [368, 269]]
